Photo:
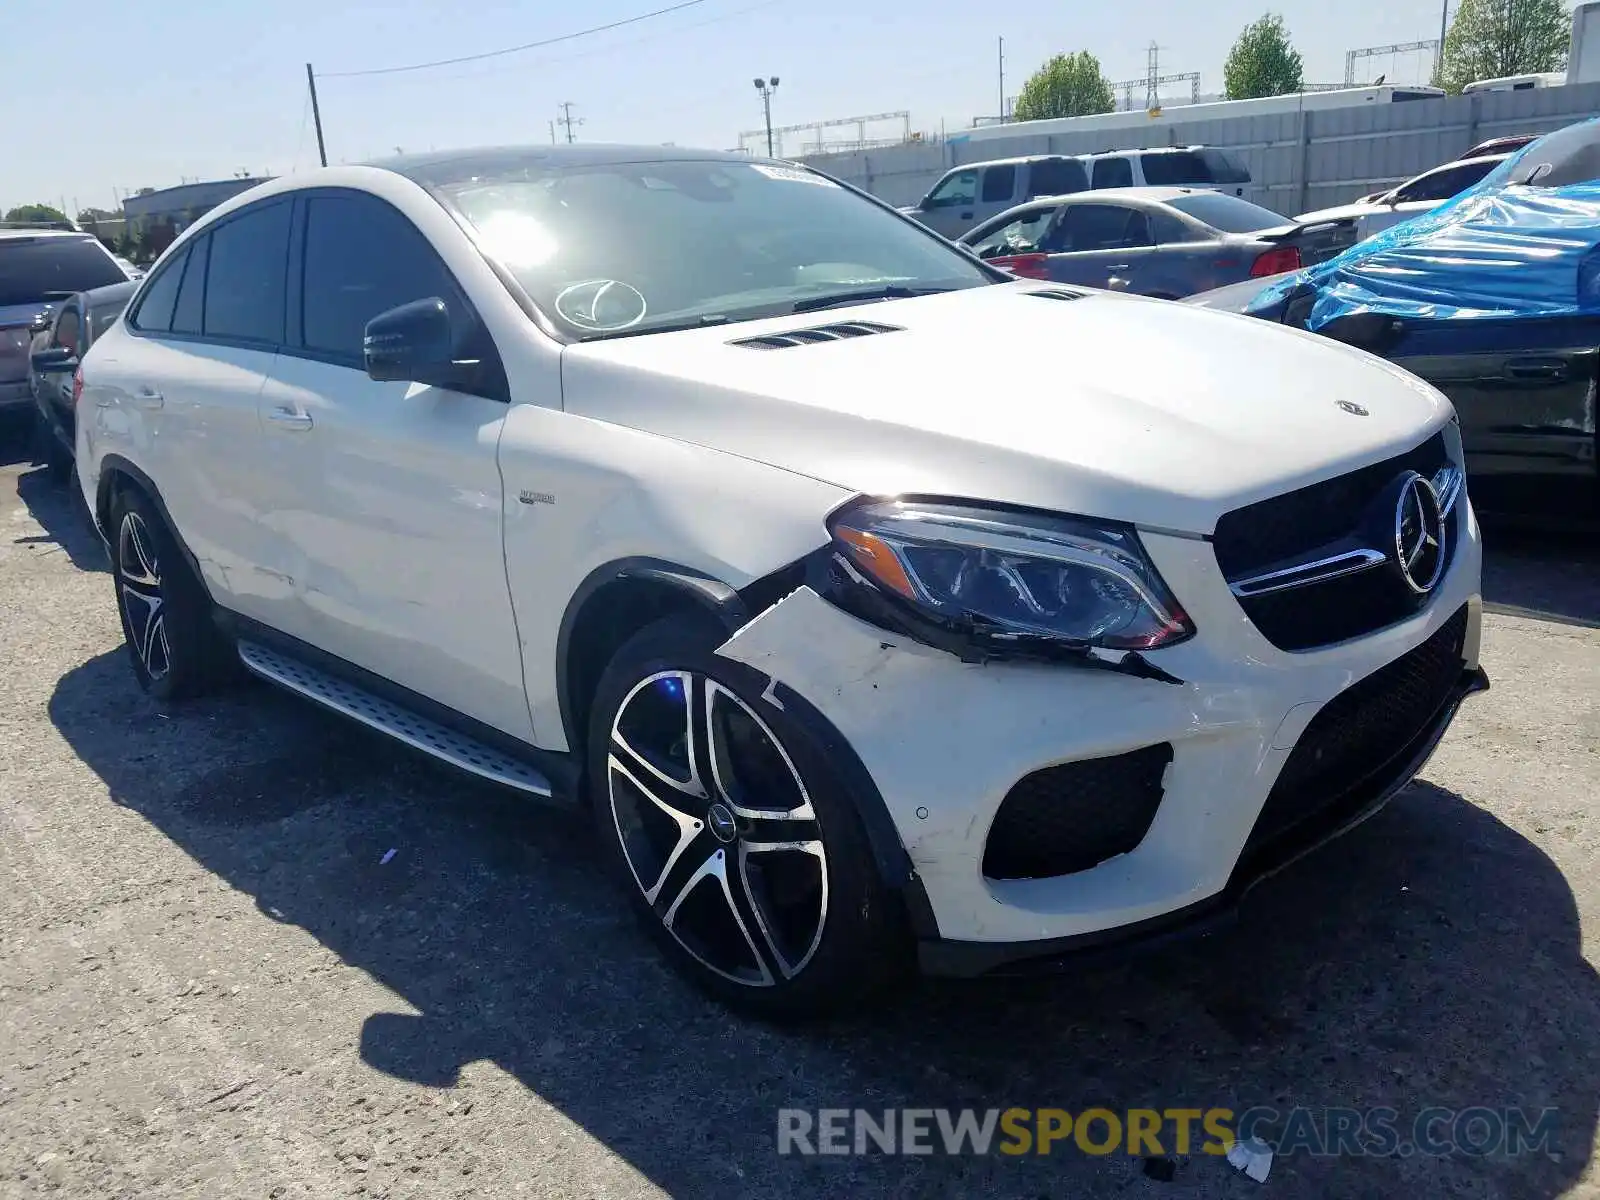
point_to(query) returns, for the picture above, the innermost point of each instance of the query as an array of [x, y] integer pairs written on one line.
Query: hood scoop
[[839, 332], [1057, 294]]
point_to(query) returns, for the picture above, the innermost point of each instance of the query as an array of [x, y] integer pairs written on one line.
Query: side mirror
[[54, 360], [414, 343]]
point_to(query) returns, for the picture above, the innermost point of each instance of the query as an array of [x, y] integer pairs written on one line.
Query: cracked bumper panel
[[945, 741]]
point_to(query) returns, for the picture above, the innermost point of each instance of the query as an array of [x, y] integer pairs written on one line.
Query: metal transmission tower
[[1350, 56], [1152, 83], [566, 118], [819, 143]]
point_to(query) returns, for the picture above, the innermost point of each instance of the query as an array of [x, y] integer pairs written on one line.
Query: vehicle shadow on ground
[[58, 507], [1432, 958], [16, 436], [1554, 576]]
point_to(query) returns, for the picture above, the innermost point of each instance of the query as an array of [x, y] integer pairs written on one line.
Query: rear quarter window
[[33, 267]]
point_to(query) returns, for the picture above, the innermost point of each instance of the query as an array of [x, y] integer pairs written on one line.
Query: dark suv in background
[[57, 350], [40, 268]]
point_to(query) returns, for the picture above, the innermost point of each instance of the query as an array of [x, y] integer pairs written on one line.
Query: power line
[[475, 74], [565, 37]]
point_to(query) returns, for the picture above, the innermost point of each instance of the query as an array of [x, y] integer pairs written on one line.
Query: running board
[[401, 723]]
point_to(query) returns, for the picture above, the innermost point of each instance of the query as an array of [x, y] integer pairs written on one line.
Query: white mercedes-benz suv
[[884, 609]]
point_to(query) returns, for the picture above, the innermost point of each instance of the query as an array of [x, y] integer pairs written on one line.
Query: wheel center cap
[[720, 818]]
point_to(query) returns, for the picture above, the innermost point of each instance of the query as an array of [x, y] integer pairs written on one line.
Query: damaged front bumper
[[942, 742]]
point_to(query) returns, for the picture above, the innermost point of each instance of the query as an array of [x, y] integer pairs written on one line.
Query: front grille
[[1294, 526], [1357, 736], [1073, 816]]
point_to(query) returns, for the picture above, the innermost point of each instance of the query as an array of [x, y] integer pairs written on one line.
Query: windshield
[[612, 248], [1228, 213], [31, 268]]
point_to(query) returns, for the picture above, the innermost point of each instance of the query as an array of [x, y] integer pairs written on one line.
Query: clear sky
[[148, 94]]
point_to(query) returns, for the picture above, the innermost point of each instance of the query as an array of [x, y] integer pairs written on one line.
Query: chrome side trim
[[1304, 574], [1448, 484]]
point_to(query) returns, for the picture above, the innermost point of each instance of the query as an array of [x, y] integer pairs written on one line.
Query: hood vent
[[843, 331], [1058, 294]]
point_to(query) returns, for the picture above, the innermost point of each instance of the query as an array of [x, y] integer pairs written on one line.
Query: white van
[[1168, 166]]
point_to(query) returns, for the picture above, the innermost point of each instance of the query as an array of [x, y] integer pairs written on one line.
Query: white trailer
[[1133, 120]]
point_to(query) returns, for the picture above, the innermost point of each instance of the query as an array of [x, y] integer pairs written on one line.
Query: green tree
[[1069, 85], [35, 212], [1492, 38], [1262, 62]]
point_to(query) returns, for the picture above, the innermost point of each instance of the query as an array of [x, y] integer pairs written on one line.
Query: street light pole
[[766, 87]]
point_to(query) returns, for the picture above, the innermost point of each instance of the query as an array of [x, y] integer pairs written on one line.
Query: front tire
[[742, 854], [175, 647]]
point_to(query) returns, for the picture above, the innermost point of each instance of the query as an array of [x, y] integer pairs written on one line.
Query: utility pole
[[552, 133], [566, 118], [1444, 21], [766, 87], [316, 114], [1002, 79]]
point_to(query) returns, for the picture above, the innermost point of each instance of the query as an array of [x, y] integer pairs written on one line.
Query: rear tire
[[741, 852], [176, 649]]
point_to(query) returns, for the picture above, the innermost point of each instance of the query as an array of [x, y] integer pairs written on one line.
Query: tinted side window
[[1056, 177], [186, 316], [1441, 185], [1166, 230], [1112, 172], [999, 183], [245, 285], [1098, 227], [1176, 167], [154, 313], [362, 258], [104, 317]]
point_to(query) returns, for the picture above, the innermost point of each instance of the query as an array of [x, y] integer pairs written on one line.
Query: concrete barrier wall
[[1298, 161]]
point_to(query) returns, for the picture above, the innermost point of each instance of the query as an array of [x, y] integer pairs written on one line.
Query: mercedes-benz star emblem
[[1418, 534], [1354, 409], [720, 818]]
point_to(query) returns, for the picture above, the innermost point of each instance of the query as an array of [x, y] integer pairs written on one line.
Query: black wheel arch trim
[[114, 464], [704, 591]]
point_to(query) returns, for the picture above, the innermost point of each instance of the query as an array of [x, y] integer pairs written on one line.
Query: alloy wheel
[[717, 828], [143, 603]]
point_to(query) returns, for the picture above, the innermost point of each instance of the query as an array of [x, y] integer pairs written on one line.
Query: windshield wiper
[[699, 322], [893, 291]]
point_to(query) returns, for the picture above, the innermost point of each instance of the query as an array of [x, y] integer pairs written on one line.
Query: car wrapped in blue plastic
[[1494, 298]]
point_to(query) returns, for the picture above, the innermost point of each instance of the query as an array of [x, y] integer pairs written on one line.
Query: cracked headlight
[[1012, 576]]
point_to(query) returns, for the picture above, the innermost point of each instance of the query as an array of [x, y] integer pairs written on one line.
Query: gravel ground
[[211, 987]]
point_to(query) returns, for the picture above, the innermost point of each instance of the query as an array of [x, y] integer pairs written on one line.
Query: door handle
[[1115, 267], [966, 216], [148, 398], [288, 418], [1537, 368]]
